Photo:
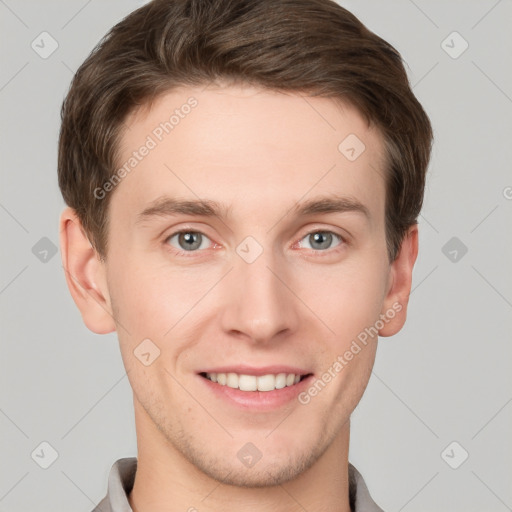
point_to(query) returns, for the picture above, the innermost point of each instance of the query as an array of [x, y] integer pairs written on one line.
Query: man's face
[[259, 286]]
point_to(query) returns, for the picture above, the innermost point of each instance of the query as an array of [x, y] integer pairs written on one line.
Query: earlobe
[[400, 279], [85, 275]]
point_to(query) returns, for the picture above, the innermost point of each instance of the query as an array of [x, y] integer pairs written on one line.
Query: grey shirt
[[122, 476]]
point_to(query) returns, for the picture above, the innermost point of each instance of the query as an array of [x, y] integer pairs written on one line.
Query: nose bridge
[[259, 304]]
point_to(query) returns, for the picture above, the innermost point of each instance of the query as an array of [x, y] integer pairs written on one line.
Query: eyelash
[[190, 254]]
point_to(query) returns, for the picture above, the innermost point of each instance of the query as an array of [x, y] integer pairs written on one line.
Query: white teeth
[[232, 380], [266, 383], [247, 382], [252, 383], [280, 380]]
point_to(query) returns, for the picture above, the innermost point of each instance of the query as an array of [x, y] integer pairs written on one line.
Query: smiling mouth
[[269, 382]]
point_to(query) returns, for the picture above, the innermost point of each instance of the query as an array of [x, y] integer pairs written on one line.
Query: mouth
[[246, 382]]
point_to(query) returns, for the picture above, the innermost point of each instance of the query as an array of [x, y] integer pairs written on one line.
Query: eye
[[321, 240], [188, 241]]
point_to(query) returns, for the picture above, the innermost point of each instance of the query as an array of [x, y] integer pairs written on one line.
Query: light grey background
[[446, 377]]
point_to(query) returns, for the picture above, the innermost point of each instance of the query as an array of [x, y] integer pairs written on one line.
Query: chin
[[266, 475]]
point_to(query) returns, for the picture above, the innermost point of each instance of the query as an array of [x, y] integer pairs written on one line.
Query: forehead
[[256, 151]]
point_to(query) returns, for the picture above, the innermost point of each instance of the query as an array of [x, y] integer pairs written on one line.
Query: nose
[[258, 303]]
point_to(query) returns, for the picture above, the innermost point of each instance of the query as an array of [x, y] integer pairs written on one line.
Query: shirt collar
[[122, 477]]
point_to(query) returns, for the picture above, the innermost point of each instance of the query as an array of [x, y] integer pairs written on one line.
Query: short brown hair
[[307, 46]]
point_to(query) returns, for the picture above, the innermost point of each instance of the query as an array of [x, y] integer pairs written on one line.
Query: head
[[254, 108]]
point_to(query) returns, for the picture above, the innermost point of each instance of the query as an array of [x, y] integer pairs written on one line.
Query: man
[[243, 181]]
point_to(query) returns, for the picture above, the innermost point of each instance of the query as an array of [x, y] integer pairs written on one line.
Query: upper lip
[[257, 371]]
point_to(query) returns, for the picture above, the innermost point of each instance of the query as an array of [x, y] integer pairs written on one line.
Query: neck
[[167, 481]]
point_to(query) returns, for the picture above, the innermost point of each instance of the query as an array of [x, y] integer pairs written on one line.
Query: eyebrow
[[169, 206]]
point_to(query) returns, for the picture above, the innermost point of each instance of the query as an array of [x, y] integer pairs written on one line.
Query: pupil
[[190, 239], [326, 237]]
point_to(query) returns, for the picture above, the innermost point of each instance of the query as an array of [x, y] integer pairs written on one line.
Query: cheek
[[347, 299], [148, 300], [160, 304]]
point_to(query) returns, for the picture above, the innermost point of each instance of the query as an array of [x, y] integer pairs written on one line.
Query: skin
[[261, 153]]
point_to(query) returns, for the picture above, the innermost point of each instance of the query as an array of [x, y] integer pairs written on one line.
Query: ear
[[399, 284], [85, 274]]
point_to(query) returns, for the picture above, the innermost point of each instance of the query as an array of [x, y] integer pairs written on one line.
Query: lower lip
[[258, 400]]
